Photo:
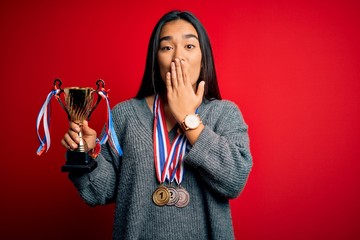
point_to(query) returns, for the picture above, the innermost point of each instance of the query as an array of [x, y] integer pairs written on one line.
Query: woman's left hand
[[181, 95]]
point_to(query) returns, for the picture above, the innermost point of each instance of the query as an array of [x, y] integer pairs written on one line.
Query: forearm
[[192, 135], [97, 187], [223, 162]]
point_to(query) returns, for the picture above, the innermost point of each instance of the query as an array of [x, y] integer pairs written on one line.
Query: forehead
[[177, 27]]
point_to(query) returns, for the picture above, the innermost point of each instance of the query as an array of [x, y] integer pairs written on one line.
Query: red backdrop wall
[[291, 66]]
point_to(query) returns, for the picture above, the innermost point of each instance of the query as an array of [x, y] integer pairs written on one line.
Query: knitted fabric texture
[[216, 170]]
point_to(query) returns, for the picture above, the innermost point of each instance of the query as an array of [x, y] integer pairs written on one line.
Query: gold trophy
[[79, 105]]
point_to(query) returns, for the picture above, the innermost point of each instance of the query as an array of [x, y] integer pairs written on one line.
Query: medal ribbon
[[180, 170], [166, 157], [44, 115], [179, 167], [172, 160]]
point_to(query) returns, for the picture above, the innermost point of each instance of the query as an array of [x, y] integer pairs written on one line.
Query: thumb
[[86, 129]]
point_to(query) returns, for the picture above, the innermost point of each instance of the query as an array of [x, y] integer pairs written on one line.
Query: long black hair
[[152, 82]]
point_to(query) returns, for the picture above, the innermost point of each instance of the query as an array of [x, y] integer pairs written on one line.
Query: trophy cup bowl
[[79, 104]]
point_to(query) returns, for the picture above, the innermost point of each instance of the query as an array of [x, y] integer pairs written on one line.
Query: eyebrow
[[186, 36]]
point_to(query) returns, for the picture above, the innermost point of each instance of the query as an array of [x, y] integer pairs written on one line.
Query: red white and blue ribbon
[[44, 115], [110, 133], [179, 167], [172, 160], [167, 158]]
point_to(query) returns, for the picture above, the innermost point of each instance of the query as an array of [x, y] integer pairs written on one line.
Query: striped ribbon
[[167, 157], [180, 170], [44, 115], [110, 133]]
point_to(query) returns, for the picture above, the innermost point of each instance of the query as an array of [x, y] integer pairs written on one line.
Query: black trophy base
[[78, 162]]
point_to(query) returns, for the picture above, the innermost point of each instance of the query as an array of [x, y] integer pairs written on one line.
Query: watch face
[[192, 121]]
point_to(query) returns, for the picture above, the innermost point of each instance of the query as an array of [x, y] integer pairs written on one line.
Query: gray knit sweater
[[216, 169]]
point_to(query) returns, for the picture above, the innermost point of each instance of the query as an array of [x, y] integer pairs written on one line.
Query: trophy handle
[[99, 88], [57, 85]]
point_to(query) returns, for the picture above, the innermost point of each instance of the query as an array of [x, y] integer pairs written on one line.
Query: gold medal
[[161, 196], [184, 198], [174, 196]]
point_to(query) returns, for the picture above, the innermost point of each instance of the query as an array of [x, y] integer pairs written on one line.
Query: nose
[[178, 53]]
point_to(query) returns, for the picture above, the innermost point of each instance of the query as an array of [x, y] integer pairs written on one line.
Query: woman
[[179, 194]]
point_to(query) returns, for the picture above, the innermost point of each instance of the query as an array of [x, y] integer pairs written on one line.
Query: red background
[[291, 66]]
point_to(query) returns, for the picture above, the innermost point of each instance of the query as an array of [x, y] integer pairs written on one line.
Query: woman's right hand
[[71, 138]]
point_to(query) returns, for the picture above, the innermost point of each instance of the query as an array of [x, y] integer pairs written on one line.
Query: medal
[[174, 196], [161, 196], [168, 160], [184, 198]]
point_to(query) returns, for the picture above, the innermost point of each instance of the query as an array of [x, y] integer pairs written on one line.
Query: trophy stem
[[78, 160], [82, 144]]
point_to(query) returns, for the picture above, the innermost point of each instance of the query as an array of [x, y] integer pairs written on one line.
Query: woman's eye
[[190, 46], [166, 48]]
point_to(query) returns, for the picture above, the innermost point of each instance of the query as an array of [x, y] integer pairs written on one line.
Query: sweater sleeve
[[97, 187], [221, 154]]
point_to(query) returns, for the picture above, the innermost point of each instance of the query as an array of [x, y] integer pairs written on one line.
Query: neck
[[170, 120]]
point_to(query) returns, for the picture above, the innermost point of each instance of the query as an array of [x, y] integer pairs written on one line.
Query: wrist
[[96, 150], [190, 122]]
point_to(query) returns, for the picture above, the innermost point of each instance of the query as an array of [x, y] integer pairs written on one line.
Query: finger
[[68, 142], [200, 90], [168, 81], [74, 136], [185, 74], [179, 73], [65, 144], [174, 82], [74, 126]]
